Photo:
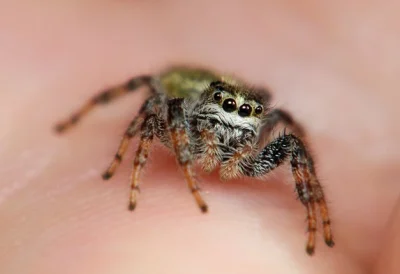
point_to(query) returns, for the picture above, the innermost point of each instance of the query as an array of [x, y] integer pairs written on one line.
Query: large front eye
[[245, 110], [229, 105]]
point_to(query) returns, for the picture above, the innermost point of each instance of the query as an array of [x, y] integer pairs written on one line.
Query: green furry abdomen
[[186, 82]]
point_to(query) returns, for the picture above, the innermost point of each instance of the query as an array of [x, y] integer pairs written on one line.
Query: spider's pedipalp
[[210, 157], [103, 98], [231, 168]]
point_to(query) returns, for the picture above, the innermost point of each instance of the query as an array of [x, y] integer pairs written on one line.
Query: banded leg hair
[[142, 153], [290, 148], [180, 142], [103, 98], [130, 132], [277, 116], [181, 146], [281, 116], [146, 122]]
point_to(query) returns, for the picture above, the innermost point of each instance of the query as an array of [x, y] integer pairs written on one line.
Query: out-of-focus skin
[[334, 65]]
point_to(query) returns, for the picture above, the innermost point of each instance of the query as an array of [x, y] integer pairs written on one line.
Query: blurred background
[[334, 65]]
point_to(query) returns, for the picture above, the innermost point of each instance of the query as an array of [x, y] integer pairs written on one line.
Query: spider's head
[[235, 104]]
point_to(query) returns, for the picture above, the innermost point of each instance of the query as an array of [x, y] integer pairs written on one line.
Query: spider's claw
[[107, 175], [132, 206], [330, 242], [310, 250], [204, 208], [60, 128], [135, 190]]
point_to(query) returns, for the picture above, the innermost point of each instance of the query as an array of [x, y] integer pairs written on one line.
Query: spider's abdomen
[[179, 82]]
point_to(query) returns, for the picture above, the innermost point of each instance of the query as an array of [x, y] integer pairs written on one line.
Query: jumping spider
[[202, 116]]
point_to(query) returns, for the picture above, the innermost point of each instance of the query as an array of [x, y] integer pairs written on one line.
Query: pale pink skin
[[335, 66]]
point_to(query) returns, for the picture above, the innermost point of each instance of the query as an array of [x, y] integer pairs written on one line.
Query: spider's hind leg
[[103, 98], [133, 128]]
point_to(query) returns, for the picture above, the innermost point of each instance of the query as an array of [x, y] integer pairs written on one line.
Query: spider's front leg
[[289, 147], [181, 144], [277, 116]]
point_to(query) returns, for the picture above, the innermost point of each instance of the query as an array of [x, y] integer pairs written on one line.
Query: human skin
[[334, 66]]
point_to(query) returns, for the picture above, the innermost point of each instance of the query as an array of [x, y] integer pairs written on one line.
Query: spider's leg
[[277, 116], [142, 153], [309, 189], [130, 132], [103, 98], [264, 92], [181, 146], [320, 199], [289, 147]]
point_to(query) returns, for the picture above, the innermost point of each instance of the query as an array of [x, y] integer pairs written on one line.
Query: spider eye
[[229, 105], [218, 96], [245, 110], [215, 84], [259, 110]]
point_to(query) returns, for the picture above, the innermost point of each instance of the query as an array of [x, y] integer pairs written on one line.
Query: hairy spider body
[[216, 121]]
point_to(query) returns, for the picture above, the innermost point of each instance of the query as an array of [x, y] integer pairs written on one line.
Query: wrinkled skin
[[335, 66]]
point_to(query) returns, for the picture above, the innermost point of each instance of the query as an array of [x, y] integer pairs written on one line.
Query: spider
[[216, 121]]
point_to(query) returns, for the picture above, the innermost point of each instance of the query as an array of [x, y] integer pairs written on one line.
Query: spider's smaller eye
[[259, 110], [229, 105], [218, 96], [215, 84], [245, 110]]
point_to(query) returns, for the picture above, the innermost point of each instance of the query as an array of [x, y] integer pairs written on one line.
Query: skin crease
[[334, 65]]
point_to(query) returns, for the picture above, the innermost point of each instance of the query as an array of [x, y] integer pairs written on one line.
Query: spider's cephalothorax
[[204, 117]]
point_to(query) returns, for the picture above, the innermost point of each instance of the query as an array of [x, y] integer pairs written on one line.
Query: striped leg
[[308, 187], [277, 116], [123, 146], [180, 140], [103, 98], [142, 153], [310, 192], [130, 132], [320, 200]]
